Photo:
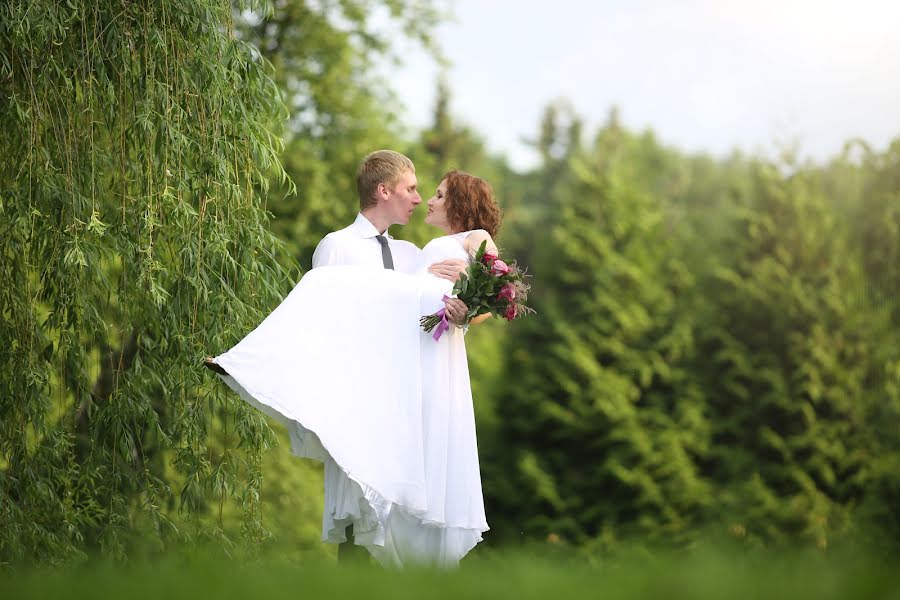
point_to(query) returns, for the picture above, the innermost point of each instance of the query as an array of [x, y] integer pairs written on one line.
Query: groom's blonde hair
[[381, 166]]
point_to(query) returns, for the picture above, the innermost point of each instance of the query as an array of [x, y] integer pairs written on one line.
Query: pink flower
[[511, 312], [499, 267], [507, 292], [489, 258]]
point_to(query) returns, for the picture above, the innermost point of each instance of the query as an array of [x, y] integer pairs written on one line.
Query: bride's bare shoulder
[[473, 241]]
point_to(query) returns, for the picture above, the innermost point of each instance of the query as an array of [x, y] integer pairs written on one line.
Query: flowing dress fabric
[[344, 364]]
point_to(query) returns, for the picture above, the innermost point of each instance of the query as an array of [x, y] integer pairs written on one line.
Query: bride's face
[[437, 210]]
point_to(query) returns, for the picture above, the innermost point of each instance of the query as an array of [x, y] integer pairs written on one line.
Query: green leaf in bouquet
[[481, 250]]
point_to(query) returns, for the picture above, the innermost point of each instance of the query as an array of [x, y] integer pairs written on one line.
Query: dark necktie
[[386, 257]]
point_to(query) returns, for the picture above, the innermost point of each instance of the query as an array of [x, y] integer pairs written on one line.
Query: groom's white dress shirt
[[356, 245]]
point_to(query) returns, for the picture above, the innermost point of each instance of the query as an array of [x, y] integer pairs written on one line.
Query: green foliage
[[714, 349], [136, 138], [605, 418], [866, 192], [786, 353]]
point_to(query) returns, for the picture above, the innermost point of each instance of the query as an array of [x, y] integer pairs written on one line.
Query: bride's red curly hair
[[470, 203]]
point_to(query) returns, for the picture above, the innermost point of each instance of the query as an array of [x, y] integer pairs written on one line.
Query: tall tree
[[787, 351], [603, 417], [137, 136], [864, 187]]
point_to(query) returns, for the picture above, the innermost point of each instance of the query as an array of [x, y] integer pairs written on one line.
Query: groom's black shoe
[[213, 366], [349, 554]]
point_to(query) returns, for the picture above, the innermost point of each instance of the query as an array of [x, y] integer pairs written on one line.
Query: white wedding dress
[[343, 362]]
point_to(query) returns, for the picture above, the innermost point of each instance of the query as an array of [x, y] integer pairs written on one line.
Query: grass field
[[796, 577]]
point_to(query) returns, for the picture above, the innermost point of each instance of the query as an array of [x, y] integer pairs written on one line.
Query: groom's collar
[[365, 229]]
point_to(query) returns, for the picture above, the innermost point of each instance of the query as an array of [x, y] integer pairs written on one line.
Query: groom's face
[[403, 198]]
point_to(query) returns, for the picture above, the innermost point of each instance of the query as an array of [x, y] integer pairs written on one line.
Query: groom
[[388, 195]]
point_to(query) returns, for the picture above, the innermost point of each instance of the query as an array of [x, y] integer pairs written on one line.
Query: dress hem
[[367, 525]]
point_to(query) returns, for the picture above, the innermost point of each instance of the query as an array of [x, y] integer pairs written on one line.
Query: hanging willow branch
[[136, 139]]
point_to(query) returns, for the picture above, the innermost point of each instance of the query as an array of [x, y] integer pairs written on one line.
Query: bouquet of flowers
[[488, 285]]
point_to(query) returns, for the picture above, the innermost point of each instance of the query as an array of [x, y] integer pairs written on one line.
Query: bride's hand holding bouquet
[[487, 286]]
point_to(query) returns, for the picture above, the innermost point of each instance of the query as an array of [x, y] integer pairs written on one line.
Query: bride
[[344, 364]]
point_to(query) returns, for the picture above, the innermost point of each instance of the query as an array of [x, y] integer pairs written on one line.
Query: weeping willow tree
[[137, 140]]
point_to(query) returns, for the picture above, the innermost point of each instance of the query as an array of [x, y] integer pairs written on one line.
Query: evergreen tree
[[873, 182], [786, 353], [600, 411]]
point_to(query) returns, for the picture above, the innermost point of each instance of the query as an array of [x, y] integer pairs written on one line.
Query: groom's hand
[[448, 269], [456, 311]]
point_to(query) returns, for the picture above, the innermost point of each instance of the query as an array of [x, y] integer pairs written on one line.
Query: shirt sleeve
[[327, 253]]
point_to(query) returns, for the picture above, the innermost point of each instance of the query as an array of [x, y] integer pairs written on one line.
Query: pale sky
[[703, 74]]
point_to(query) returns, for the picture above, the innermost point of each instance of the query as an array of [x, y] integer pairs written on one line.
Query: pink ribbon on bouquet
[[444, 325]]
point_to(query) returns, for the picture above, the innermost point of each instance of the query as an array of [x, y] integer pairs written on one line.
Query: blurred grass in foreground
[[794, 576]]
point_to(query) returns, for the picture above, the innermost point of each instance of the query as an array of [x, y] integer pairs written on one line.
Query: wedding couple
[[343, 362]]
